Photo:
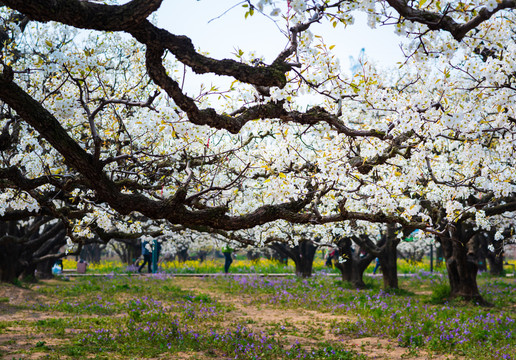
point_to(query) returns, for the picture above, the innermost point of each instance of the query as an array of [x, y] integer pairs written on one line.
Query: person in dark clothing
[[147, 256], [228, 258], [158, 250]]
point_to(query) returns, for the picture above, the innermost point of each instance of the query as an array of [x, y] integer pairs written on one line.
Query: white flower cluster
[[445, 119]]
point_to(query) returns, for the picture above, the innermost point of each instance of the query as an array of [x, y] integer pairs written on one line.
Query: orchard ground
[[163, 316]]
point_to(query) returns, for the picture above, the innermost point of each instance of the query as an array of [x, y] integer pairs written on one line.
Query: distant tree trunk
[[302, 255], [460, 254], [182, 255], [388, 257], [9, 265], [22, 248], [353, 267], [253, 255], [496, 258], [91, 253], [44, 269], [202, 254], [276, 255], [482, 240], [439, 256], [386, 252], [128, 250]]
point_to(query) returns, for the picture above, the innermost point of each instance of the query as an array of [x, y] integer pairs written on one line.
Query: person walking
[[376, 265], [147, 256], [227, 251]]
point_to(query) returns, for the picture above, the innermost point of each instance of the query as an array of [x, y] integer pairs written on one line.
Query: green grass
[[167, 319], [413, 320], [141, 317]]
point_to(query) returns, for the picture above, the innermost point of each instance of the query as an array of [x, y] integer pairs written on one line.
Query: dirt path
[[306, 327]]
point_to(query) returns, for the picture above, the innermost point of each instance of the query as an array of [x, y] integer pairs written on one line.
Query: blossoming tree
[[430, 146]]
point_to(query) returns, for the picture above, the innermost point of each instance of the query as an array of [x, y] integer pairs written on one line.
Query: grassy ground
[[237, 317]]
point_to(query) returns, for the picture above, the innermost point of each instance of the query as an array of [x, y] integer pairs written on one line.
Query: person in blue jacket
[[147, 256], [376, 265]]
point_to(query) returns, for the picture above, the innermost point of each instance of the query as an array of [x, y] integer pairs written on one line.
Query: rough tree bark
[[92, 253], [10, 251], [23, 248], [182, 255], [302, 255], [496, 258], [129, 251], [386, 252], [44, 269], [482, 250], [459, 250], [352, 269], [388, 257]]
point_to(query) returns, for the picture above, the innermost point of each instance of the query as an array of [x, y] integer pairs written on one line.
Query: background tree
[[352, 264], [30, 245]]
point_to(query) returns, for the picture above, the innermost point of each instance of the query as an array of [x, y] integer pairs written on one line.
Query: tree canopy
[[94, 112]]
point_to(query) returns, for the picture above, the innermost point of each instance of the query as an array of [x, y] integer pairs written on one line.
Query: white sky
[[222, 35], [217, 28]]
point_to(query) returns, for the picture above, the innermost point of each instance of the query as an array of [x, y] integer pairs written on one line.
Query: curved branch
[[86, 14], [436, 21], [15, 179], [172, 209], [106, 236], [131, 18]]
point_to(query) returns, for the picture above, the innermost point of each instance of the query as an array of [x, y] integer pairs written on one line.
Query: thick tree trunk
[[10, 253], [346, 267], [91, 254], [496, 259], [388, 260], [182, 255], [302, 255], [353, 267], [44, 269], [304, 258], [21, 247], [201, 255], [29, 273], [462, 274], [352, 271], [8, 264], [389, 271], [303, 269], [128, 251], [386, 252], [459, 250]]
